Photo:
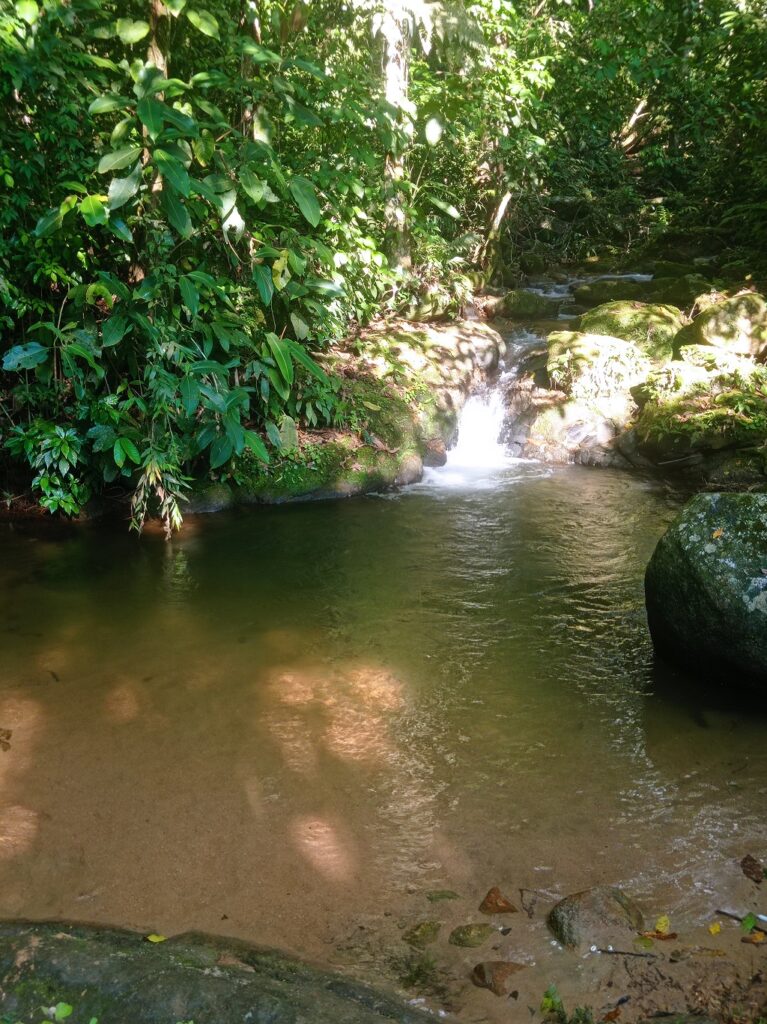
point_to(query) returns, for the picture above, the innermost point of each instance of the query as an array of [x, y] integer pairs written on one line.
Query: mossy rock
[[689, 409], [117, 975], [706, 588], [677, 291], [470, 936], [596, 293], [738, 324], [594, 917], [422, 934], [592, 367], [522, 305], [652, 327], [673, 269]]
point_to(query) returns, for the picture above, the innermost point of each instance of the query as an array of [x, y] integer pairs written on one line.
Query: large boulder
[[706, 588], [595, 916], [596, 369], [523, 305], [738, 324], [610, 289], [683, 292], [117, 975], [652, 327]]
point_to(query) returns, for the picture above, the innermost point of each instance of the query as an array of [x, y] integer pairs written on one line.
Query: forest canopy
[[198, 198]]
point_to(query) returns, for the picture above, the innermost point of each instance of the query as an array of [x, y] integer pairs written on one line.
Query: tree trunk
[[396, 33]]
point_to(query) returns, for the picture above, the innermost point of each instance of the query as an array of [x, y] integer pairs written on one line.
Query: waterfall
[[479, 429]]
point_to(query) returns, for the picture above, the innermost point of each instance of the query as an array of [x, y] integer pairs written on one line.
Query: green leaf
[[303, 192], [299, 326], [301, 356], [262, 275], [118, 158], [94, 210], [118, 453], [130, 450], [120, 229], [175, 6], [107, 103], [122, 189], [48, 223], [189, 295], [281, 354], [749, 922], [172, 170], [447, 208], [113, 330], [25, 357], [62, 1011], [256, 445], [220, 452], [177, 213], [190, 394], [150, 111], [204, 22], [253, 185], [28, 11], [131, 32], [204, 147]]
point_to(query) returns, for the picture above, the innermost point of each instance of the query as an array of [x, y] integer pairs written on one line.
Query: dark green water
[[291, 720]]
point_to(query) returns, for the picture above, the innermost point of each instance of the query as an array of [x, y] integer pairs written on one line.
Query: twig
[[628, 952]]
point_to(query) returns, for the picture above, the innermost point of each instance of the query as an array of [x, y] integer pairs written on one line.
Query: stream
[[290, 724]]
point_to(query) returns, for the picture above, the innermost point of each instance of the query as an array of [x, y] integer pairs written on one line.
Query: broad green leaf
[[189, 295], [204, 22], [122, 189], [175, 6], [273, 433], [118, 159], [94, 210], [303, 192], [190, 394], [262, 275], [300, 354], [113, 330], [256, 445], [177, 213], [447, 208], [278, 383], [204, 147], [120, 229], [259, 54], [281, 353], [220, 452], [173, 170], [280, 272], [131, 32], [48, 223], [130, 450], [299, 326], [252, 185], [61, 1011], [288, 434], [150, 111], [107, 103], [28, 11], [25, 357]]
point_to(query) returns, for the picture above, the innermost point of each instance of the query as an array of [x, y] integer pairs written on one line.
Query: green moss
[[652, 327]]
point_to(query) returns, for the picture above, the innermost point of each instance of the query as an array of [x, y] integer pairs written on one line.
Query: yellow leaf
[[717, 534], [715, 928], [155, 938], [663, 925]]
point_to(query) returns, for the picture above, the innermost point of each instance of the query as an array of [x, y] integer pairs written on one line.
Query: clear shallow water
[[293, 720]]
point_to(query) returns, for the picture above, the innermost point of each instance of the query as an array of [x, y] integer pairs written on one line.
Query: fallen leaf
[[754, 938], [660, 936], [752, 869], [717, 534], [714, 928], [612, 1015], [749, 922], [156, 938], [663, 924]]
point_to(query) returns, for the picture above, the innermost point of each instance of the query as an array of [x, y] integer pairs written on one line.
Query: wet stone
[[471, 935], [422, 934], [437, 895], [594, 916], [494, 975], [496, 903]]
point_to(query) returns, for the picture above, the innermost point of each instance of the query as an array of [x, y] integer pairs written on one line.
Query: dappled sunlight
[[18, 830], [321, 843], [122, 704]]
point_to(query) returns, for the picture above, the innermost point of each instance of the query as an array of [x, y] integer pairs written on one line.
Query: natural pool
[[289, 724]]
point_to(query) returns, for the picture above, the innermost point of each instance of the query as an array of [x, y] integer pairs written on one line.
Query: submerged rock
[[738, 324], [706, 588], [596, 293], [594, 916], [115, 975], [651, 326], [494, 975], [496, 903], [525, 305], [422, 934], [471, 935]]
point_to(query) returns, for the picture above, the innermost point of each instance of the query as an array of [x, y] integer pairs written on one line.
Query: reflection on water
[[290, 719]]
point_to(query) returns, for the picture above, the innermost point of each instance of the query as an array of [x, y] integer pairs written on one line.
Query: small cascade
[[479, 429]]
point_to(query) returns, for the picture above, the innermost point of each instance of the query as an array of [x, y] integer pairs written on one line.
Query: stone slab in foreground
[[118, 976]]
